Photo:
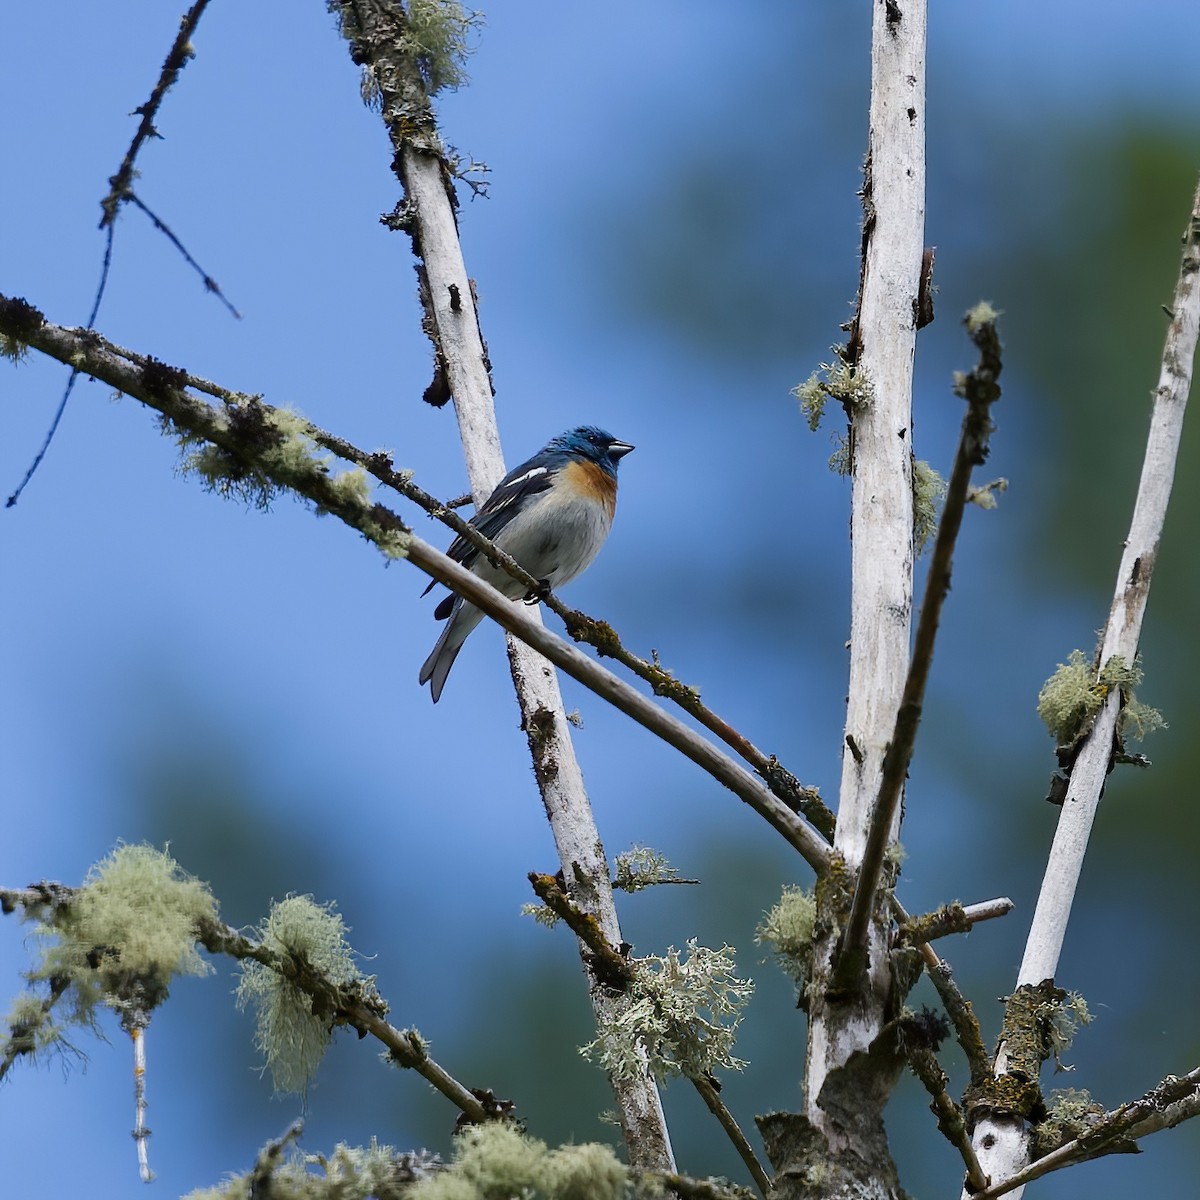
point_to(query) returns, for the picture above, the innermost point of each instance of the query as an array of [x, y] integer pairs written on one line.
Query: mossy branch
[[341, 1001]]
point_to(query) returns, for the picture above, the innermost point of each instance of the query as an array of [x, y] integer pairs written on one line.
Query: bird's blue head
[[587, 441]]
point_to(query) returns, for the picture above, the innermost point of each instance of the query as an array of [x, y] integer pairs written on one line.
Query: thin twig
[[716, 1106], [981, 390], [210, 283], [951, 1122], [164, 389], [70, 384], [951, 918], [177, 58], [141, 1134]]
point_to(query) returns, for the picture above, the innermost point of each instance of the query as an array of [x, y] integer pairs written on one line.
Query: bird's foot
[[538, 593]]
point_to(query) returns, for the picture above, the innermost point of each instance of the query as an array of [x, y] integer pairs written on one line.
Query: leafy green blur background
[[670, 245]]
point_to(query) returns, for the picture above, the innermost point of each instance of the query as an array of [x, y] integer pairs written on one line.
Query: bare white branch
[[883, 339], [1002, 1154]]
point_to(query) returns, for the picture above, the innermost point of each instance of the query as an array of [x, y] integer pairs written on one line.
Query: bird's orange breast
[[591, 481]]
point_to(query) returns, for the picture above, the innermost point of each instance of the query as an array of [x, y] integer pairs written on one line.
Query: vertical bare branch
[[1001, 1143], [882, 347], [378, 31]]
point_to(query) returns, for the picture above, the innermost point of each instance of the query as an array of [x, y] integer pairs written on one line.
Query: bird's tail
[[441, 658]]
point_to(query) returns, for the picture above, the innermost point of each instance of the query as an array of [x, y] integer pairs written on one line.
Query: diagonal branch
[[981, 390], [1174, 1100], [1004, 1138], [247, 432]]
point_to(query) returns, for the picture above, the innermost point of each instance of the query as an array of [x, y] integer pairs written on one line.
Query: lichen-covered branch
[[1175, 1100], [346, 1001]]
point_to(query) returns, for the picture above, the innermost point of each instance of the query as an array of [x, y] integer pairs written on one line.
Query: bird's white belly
[[554, 539]]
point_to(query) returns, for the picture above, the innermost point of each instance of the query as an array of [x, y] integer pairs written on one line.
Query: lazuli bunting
[[552, 514]]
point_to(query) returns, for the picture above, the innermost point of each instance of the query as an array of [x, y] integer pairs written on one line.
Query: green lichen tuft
[[985, 495], [981, 315], [125, 935], [1075, 693], [929, 489], [812, 396], [788, 930], [641, 867], [841, 462], [1070, 1115], [543, 914], [681, 1017], [13, 348], [495, 1160], [291, 1036], [436, 35], [371, 1172], [1061, 1020]]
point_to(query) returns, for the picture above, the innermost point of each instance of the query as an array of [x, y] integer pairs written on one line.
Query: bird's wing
[[511, 494]]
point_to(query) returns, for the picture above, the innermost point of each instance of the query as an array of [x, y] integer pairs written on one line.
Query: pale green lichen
[[372, 1172], [495, 1160], [1070, 1115], [979, 316], [287, 457], [290, 1035], [125, 935], [436, 35], [985, 495], [837, 380], [1061, 1020], [841, 461], [929, 489], [787, 929], [640, 867], [680, 1018], [1075, 693], [812, 396], [543, 914]]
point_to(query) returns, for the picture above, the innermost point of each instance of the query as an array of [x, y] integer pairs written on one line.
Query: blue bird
[[552, 514]]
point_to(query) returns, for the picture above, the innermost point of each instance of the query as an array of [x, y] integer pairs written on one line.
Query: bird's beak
[[619, 449]]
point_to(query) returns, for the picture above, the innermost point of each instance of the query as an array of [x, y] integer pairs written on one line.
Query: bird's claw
[[539, 592]]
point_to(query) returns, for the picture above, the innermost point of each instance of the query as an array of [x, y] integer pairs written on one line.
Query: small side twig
[[141, 1134], [210, 283], [951, 1122], [951, 918], [712, 1098], [981, 390]]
